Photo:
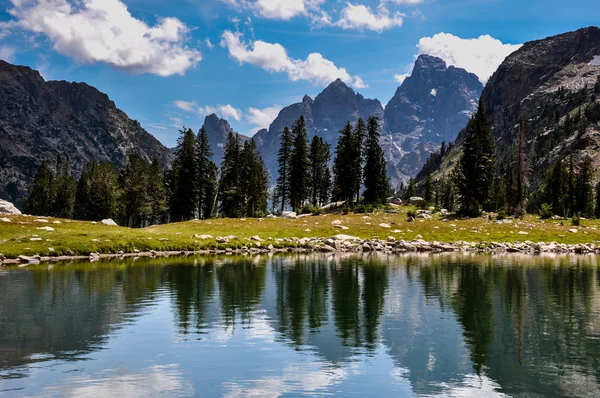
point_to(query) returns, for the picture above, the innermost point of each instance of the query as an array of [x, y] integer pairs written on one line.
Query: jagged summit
[[217, 130]]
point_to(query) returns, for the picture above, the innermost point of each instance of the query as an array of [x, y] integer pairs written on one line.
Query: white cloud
[[400, 77], [262, 118], [276, 9], [206, 110], [273, 57], [208, 44], [403, 2], [7, 54], [481, 55], [104, 31], [185, 105], [358, 16], [229, 112]]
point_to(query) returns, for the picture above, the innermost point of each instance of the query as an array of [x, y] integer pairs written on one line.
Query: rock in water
[[8, 208]]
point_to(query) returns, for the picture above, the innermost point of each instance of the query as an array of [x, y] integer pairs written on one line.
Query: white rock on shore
[[8, 208]]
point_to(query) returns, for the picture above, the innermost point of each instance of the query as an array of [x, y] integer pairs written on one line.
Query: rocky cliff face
[[217, 130], [431, 106], [39, 120], [542, 83]]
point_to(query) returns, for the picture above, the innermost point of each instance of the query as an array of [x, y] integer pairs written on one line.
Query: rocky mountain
[[553, 85], [325, 116], [431, 106], [40, 119], [217, 130]]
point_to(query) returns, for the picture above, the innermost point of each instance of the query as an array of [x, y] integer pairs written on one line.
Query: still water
[[430, 325]]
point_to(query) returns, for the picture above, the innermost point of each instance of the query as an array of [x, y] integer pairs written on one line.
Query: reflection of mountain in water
[[444, 320]]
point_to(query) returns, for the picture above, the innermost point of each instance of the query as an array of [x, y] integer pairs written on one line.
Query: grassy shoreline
[[27, 235]]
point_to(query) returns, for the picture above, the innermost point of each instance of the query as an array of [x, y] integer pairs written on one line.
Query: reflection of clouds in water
[[471, 386], [299, 378], [157, 380]]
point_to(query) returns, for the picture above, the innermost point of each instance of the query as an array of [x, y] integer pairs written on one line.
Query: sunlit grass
[[81, 238]]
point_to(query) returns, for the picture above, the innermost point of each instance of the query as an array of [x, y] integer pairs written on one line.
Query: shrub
[[546, 211], [501, 215], [310, 209], [576, 220], [411, 212], [364, 208]]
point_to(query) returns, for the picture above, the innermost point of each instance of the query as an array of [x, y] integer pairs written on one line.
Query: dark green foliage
[[546, 211], [598, 200], [320, 176], [346, 166], [411, 190], [428, 194], [135, 199], [39, 201], [184, 178], [576, 220], [597, 87], [64, 188], [284, 160], [584, 196], [98, 193], [299, 171], [360, 135], [557, 190], [475, 171], [207, 177], [254, 181], [376, 181], [230, 193], [157, 194]]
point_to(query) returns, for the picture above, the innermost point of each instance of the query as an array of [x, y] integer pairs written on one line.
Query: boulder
[[342, 227], [289, 215], [8, 208], [395, 201], [110, 222], [385, 225], [343, 237], [416, 201]]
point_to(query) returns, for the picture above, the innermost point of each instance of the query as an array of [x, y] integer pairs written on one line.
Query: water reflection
[[350, 325]]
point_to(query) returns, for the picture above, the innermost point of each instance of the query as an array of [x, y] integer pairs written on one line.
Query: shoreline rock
[[338, 244]]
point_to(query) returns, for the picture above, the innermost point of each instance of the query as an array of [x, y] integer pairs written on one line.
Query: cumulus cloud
[[105, 31], [224, 111], [273, 57], [358, 16], [403, 2], [208, 44], [262, 118], [7, 54], [229, 112], [276, 9], [400, 77], [481, 55], [185, 105]]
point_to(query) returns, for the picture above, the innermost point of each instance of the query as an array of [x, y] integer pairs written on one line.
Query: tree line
[[305, 177], [142, 193]]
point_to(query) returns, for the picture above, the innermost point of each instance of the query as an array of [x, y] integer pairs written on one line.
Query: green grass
[[82, 238]]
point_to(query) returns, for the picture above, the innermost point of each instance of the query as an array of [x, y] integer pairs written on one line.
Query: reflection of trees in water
[[66, 312]]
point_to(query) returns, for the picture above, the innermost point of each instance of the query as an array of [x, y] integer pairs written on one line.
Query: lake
[[356, 325]]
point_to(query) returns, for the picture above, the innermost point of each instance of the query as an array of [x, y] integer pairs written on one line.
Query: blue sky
[[168, 63]]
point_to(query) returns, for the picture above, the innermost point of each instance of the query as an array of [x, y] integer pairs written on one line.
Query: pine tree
[[98, 193], [557, 190], [157, 194], [206, 175], [299, 177], [598, 200], [82, 195], [475, 171], [411, 190], [64, 188], [254, 181], [38, 203], [428, 188], [376, 181], [134, 179], [320, 177], [585, 193], [346, 166], [284, 160], [230, 195], [360, 135], [520, 192], [184, 201]]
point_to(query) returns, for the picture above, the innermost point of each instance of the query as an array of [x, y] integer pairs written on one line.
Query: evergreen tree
[[184, 201], [320, 177], [449, 195], [98, 193], [206, 175], [521, 180], [411, 190], [299, 173], [134, 179], [38, 203], [284, 160], [157, 194], [376, 181], [475, 171], [360, 136], [585, 194], [230, 195], [254, 180], [346, 166], [598, 200], [82, 195], [427, 196], [571, 186], [557, 190], [64, 188]]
